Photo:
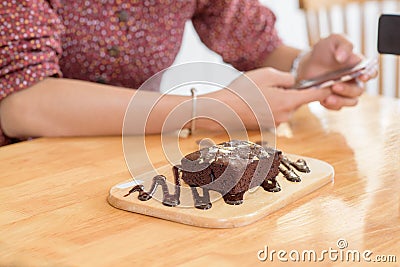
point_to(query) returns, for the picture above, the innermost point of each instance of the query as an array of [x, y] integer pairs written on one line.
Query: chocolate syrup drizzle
[[300, 165], [170, 200], [203, 202], [271, 186]]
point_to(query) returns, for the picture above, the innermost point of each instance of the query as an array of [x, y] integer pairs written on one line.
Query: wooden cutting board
[[257, 202]]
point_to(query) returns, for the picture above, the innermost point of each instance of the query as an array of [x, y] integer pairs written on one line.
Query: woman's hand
[[329, 54], [271, 85]]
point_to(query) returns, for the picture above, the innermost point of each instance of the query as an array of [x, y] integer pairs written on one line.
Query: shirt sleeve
[[29, 45], [241, 31]]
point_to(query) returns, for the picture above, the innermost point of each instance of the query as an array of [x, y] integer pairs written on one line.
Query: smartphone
[[388, 34], [337, 76]]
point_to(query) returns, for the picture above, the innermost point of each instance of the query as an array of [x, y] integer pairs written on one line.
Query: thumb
[[310, 95], [342, 53], [343, 49]]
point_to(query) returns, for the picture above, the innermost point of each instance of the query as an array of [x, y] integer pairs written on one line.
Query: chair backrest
[[358, 19]]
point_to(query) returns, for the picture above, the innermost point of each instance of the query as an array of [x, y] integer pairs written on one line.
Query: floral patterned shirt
[[122, 42]]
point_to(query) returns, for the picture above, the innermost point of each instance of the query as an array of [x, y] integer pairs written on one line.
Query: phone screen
[[388, 34], [341, 75]]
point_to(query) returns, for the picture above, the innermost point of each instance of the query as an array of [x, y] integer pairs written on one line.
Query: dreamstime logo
[[180, 79], [334, 255]]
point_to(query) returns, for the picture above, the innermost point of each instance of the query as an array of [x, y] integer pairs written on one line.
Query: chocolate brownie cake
[[232, 168]]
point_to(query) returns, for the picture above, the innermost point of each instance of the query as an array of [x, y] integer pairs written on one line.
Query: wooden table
[[54, 212]]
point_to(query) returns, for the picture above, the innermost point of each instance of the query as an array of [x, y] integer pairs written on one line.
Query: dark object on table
[[389, 34]]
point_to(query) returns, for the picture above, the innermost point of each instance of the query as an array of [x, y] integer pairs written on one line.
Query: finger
[[371, 74], [336, 102], [343, 50], [349, 89], [310, 95]]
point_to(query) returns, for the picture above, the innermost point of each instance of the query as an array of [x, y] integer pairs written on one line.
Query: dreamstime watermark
[[341, 254]]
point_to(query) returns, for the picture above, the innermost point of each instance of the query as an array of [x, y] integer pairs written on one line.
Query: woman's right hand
[[274, 86]]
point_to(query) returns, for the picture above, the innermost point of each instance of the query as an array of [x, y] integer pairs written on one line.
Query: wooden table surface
[[53, 208]]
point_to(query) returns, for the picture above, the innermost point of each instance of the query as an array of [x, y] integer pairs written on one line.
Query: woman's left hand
[[329, 54]]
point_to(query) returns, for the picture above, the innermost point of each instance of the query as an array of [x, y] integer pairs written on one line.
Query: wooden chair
[[358, 19]]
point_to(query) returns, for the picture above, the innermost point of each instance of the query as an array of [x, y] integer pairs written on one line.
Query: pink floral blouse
[[122, 42]]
